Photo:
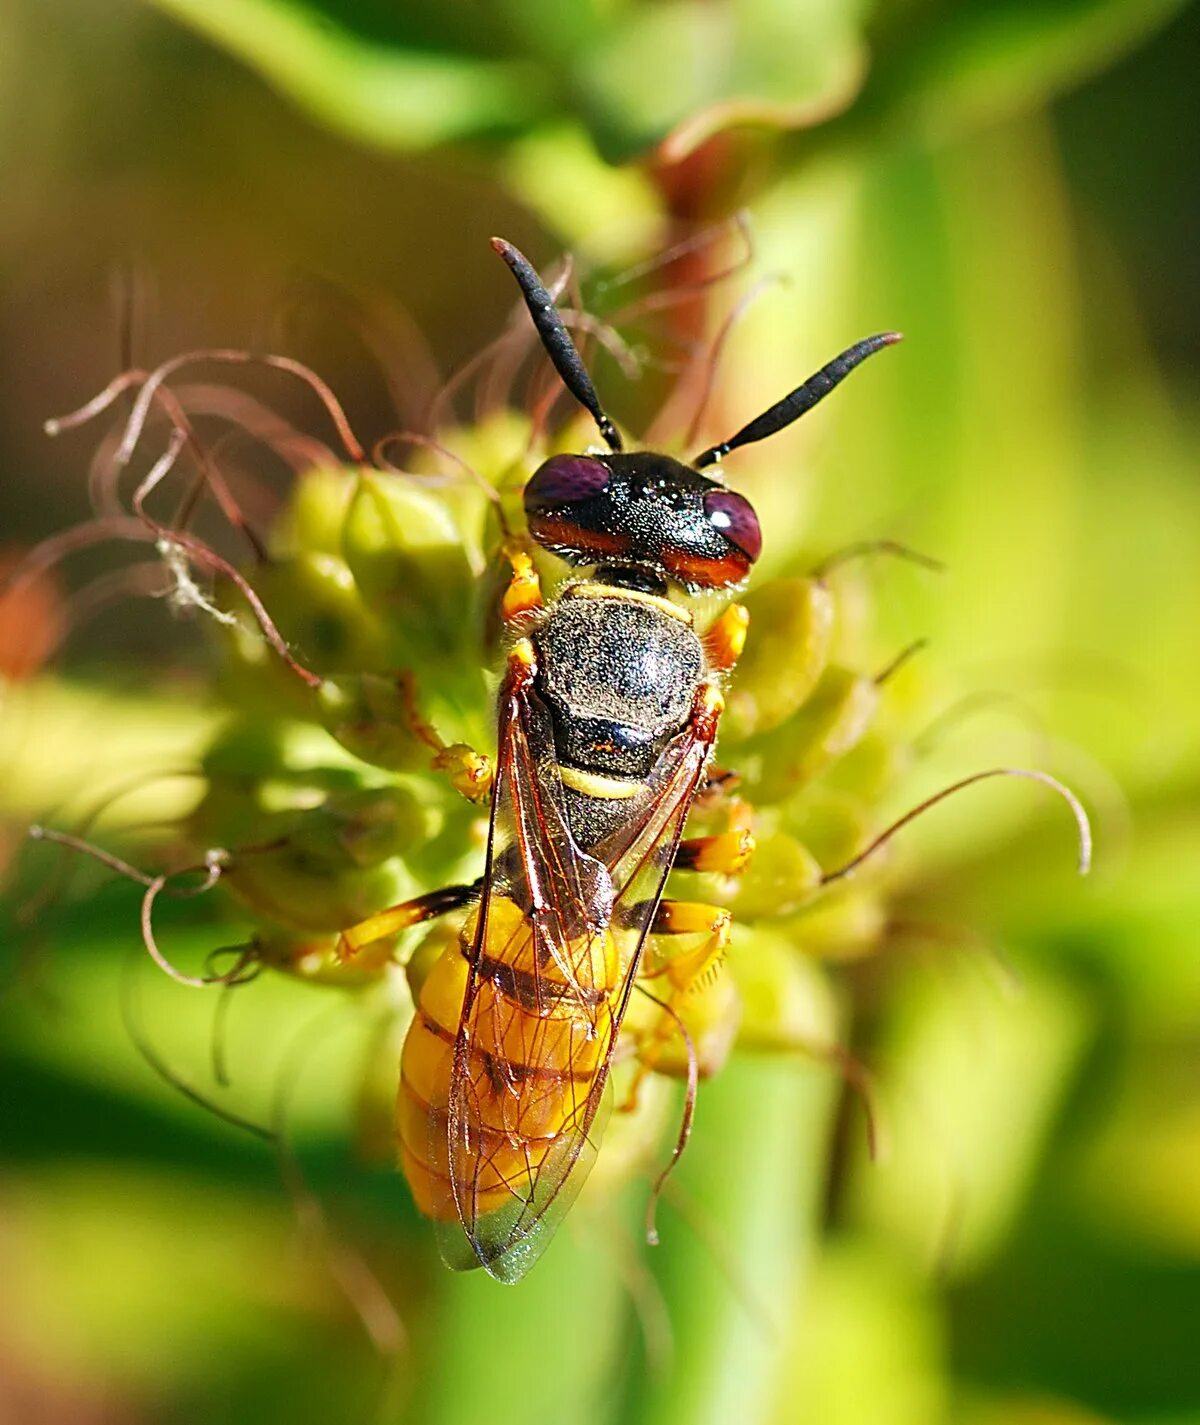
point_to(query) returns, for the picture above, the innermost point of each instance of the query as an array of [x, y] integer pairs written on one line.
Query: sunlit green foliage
[[1025, 1249]]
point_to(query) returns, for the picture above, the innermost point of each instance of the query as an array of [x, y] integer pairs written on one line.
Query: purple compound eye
[[565, 480], [734, 516]]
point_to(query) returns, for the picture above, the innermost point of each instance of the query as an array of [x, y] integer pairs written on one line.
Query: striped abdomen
[[534, 1044]]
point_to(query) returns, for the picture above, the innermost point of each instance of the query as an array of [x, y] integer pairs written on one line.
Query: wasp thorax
[[644, 510]]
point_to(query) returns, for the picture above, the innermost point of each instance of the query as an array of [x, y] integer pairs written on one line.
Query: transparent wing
[[553, 954]]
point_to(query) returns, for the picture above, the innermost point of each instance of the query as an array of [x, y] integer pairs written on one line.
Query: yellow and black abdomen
[[513, 1032], [535, 1036]]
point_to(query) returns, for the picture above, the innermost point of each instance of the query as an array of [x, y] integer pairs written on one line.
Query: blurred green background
[[1014, 185]]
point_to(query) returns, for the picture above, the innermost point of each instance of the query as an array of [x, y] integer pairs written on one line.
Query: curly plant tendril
[[1082, 824]]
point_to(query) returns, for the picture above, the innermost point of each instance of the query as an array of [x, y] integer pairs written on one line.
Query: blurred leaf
[[412, 564], [868, 1345], [1077, 1313], [1133, 922], [737, 1244], [552, 1340], [978, 61], [748, 61], [125, 1286], [88, 1041], [372, 92], [1037, 1410], [427, 75], [136, 1282], [1140, 1176], [681, 72], [974, 1084], [50, 752]]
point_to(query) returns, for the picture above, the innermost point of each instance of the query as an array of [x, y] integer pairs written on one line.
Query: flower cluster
[[356, 645]]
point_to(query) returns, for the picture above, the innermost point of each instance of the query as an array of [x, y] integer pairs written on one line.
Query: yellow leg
[[387, 924], [726, 637], [726, 853], [691, 970], [524, 592], [469, 772], [683, 983]]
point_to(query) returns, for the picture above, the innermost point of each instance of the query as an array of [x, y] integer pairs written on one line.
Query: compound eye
[[734, 516], [565, 480]]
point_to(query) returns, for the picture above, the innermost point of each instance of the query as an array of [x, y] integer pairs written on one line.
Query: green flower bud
[[787, 648], [321, 616], [369, 716], [833, 720], [411, 563], [364, 828], [873, 767], [308, 893], [313, 845], [787, 1002], [846, 924], [257, 770], [782, 876], [312, 520], [834, 827]]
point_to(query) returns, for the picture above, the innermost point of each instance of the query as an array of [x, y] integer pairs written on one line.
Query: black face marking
[[651, 512], [645, 581]]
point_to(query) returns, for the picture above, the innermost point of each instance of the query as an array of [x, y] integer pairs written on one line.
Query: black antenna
[[555, 338], [802, 399]]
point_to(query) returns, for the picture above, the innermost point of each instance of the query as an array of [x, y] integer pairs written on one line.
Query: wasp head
[[643, 511]]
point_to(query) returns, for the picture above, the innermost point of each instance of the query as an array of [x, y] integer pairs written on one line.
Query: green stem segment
[[753, 1180], [737, 1233]]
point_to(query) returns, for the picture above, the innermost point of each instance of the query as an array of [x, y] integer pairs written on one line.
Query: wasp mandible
[[608, 713]]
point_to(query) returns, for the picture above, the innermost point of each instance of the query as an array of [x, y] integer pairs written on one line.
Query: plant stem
[[751, 1183]]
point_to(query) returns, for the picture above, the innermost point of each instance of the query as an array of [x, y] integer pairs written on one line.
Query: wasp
[[607, 718]]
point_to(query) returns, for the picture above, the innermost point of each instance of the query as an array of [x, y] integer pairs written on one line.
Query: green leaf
[[371, 92], [975, 62], [969, 1112], [681, 72], [750, 1189], [667, 74], [557, 1335]]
